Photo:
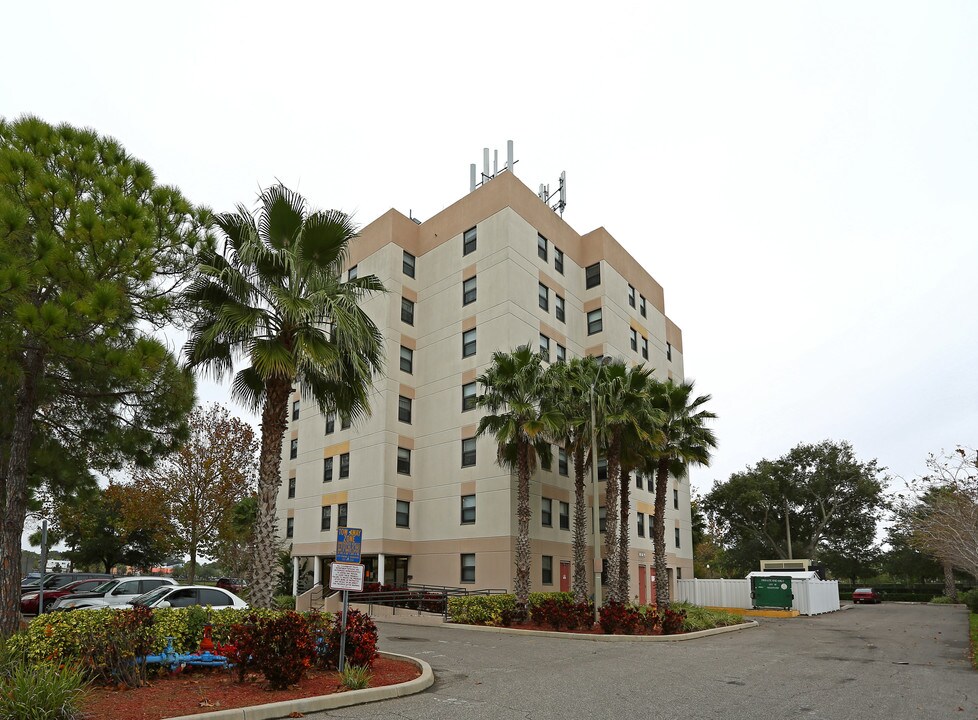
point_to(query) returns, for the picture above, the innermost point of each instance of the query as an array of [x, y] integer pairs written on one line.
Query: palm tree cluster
[[640, 424]]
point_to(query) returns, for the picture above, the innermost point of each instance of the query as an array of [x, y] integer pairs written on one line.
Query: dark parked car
[[58, 580], [866, 595], [30, 601], [235, 585]]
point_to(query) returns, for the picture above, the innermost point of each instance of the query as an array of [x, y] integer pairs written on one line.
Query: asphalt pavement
[[868, 662]]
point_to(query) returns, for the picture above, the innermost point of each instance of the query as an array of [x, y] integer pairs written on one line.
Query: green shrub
[[284, 602], [970, 599], [41, 692], [355, 677], [941, 600], [701, 618], [480, 609]]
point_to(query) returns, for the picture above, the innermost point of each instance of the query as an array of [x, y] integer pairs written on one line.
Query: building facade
[[493, 271]]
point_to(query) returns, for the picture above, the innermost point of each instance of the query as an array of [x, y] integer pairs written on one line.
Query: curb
[[609, 638], [285, 708]]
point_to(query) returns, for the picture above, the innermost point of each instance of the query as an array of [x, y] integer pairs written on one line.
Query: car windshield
[[152, 596], [864, 590], [105, 587]]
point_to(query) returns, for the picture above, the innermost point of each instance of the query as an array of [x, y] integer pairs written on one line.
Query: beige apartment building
[[495, 270]]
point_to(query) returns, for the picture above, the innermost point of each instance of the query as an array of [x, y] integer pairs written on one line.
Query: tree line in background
[[639, 424], [96, 257], [830, 505]]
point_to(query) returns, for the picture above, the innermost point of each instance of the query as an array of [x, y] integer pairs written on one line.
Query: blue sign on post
[[348, 544]]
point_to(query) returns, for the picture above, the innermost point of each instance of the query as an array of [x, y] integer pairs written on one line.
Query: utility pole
[[787, 526]]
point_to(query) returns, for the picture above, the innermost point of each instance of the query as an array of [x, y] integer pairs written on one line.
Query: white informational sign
[[346, 576]]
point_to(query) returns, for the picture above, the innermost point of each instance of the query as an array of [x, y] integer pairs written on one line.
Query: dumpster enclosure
[[811, 595]]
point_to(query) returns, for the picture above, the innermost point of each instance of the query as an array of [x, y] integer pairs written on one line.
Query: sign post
[[346, 574]]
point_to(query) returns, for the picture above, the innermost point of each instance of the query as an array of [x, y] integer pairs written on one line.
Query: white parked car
[[112, 593], [183, 596]]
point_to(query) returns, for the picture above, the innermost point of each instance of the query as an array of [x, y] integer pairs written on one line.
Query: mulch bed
[[593, 630], [207, 690]]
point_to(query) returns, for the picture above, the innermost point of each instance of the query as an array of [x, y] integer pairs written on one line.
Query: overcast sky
[[802, 178]]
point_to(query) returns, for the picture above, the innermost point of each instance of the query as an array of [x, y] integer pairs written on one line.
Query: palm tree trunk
[[611, 538], [580, 528], [274, 421], [950, 589], [659, 534], [623, 534], [522, 587], [13, 491]]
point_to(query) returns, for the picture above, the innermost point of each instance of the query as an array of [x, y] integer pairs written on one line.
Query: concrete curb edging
[[609, 638], [284, 708]]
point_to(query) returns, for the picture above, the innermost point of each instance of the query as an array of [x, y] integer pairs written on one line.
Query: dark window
[[341, 515], [546, 512], [677, 537], [631, 296], [127, 588], [594, 322], [543, 296], [559, 307], [327, 469], [289, 527], [468, 343], [213, 597], [634, 339], [407, 359], [545, 347], [468, 452], [561, 353], [291, 487], [403, 514], [468, 396], [546, 460], [592, 275], [293, 449], [469, 291], [351, 274], [326, 518], [330, 424], [564, 515], [602, 518], [675, 499], [468, 567], [404, 409], [344, 423], [641, 524], [407, 311], [468, 509], [679, 573], [541, 247], [295, 410], [407, 264], [468, 241], [344, 465], [668, 351], [403, 461], [559, 260], [547, 565], [638, 480], [641, 305], [645, 348], [602, 468], [562, 461]]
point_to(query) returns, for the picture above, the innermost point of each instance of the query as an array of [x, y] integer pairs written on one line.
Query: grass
[[701, 618], [355, 677], [973, 621]]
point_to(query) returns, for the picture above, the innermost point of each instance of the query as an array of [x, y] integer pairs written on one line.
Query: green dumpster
[[771, 592]]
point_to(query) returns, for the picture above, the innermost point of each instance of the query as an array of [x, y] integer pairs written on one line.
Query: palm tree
[[515, 385], [275, 298], [571, 383], [685, 441], [626, 423]]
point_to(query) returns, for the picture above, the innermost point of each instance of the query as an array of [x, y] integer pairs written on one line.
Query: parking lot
[[871, 662]]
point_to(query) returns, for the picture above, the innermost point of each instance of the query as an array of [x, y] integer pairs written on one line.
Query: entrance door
[[642, 585], [565, 575]]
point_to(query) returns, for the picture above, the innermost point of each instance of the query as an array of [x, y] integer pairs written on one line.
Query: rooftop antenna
[[475, 180], [560, 194]]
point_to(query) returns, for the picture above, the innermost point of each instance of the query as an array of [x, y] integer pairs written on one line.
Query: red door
[[565, 575], [642, 584]]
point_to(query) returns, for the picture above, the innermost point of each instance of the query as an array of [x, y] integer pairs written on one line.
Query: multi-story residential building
[[493, 271]]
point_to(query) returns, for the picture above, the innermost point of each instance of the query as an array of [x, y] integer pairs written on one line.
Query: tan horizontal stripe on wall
[[638, 327], [409, 294], [337, 449], [554, 285], [336, 498], [556, 493], [405, 494], [409, 342], [468, 431], [647, 508], [406, 390], [405, 442], [594, 350], [467, 488], [469, 376], [468, 323], [468, 272], [553, 333], [592, 304]]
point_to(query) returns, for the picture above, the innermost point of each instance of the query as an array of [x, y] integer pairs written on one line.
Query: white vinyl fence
[[811, 597]]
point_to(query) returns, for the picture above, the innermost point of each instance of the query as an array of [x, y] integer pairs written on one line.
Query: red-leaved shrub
[[618, 618], [672, 621], [283, 649], [361, 641]]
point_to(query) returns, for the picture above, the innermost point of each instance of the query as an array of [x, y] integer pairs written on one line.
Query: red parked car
[[29, 602], [866, 595]]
